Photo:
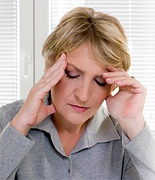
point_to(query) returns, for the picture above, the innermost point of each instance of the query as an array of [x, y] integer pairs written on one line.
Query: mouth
[[78, 108]]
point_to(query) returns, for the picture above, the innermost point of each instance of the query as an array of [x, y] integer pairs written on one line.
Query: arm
[[34, 111], [142, 153], [13, 148], [127, 107], [15, 142]]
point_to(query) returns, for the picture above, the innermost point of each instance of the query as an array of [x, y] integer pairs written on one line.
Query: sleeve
[[141, 150], [13, 146]]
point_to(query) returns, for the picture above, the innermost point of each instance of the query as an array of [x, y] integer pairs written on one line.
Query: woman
[[62, 131]]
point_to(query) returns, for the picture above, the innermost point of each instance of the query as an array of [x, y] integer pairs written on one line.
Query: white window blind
[[138, 20], [8, 51]]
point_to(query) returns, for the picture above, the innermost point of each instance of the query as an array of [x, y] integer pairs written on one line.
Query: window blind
[[138, 20], [8, 51]]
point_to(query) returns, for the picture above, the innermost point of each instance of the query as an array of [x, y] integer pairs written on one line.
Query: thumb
[[50, 109]]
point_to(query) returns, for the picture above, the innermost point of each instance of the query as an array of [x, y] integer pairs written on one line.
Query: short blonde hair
[[83, 24]]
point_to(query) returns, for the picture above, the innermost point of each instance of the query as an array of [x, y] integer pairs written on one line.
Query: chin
[[77, 119]]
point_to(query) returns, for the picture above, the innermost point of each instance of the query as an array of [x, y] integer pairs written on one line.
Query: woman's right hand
[[34, 110]]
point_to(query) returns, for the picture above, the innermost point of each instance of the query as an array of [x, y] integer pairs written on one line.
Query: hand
[[126, 106], [34, 110]]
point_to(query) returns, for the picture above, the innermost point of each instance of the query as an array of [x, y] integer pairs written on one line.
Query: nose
[[82, 92]]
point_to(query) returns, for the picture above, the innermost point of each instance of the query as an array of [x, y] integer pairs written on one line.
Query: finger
[[55, 72], [135, 86], [50, 109], [113, 69], [120, 73], [55, 78], [60, 62], [47, 86], [125, 82], [114, 80]]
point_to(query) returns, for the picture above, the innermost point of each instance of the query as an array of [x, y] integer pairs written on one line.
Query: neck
[[69, 133], [64, 126]]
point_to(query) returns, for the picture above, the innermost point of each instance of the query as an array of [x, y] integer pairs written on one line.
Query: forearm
[[13, 148], [142, 153], [132, 127], [19, 124]]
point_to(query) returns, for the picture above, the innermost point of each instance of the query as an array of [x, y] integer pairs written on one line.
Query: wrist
[[22, 128], [135, 131], [133, 127]]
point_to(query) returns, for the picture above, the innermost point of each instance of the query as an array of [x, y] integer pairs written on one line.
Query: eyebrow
[[75, 67], [81, 70]]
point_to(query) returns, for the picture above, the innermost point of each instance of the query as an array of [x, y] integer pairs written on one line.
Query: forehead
[[84, 59]]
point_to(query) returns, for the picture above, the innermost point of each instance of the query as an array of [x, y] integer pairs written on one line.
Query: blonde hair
[[83, 24]]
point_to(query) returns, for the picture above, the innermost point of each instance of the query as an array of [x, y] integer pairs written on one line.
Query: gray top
[[102, 153]]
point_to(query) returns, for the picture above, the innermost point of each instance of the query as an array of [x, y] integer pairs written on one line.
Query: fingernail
[[105, 74], [119, 82], [60, 59], [109, 79], [63, 55]]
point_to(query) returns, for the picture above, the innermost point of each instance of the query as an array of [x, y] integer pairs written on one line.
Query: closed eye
[[101, 83], [71, 76]]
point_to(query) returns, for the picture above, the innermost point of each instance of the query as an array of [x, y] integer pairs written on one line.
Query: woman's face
[[81, 91]]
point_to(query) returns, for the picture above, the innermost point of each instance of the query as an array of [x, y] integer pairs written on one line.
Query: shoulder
[[9, 111]]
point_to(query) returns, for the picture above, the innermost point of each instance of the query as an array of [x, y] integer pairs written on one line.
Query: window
[[22, 35], [138, 20], [9, 70], [23, 29]]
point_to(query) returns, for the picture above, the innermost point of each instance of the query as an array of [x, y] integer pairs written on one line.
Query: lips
[[78, 108]]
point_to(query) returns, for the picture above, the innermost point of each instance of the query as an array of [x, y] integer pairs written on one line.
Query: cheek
[[100, 95], [63, 90]]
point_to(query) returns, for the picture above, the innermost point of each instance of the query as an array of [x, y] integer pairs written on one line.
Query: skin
[[74, 98], [77, 87], [70, 94], [129, 101]]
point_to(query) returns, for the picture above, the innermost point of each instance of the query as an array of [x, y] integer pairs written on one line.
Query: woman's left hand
[[126, 106]]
